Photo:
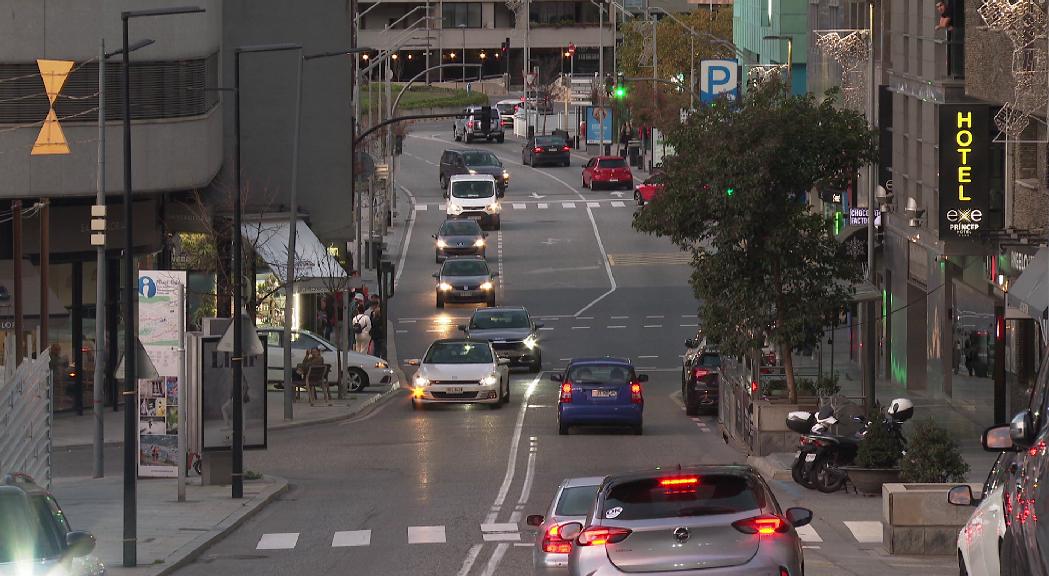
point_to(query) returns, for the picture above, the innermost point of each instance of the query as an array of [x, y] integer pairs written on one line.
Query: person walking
[[970, 356], [378, 332], [362, 328], [324, 318]]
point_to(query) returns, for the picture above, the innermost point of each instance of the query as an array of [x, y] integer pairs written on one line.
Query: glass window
[[28, 528], [273, 338], [506, 109], [481, 159], [575, 501], [458, 14], [601, 373], [302, 341], [710, 361], [613, 163], [460, 228], [458, 353], [549, 141], [473, 189], [485, 320], [464, 268], [708, 495]]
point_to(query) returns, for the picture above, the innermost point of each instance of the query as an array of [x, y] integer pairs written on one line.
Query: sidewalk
[[170, 533]]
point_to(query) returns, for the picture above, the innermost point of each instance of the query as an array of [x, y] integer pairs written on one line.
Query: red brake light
[[761, 525], [537, 149], [698, 373], [601, 535], [565, 148], [635, 393], [566, 392], [469, 125], [553, 543], [679, 481], [754, 387]]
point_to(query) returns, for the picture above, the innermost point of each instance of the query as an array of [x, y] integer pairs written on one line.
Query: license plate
[[551, 149], [810, 457], [603, 393], [462, 292], [613, 179], [454, 390]]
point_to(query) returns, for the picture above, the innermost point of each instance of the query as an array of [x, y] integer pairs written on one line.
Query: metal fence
[[25, 415]]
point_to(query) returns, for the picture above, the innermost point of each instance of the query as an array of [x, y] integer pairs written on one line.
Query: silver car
[[571, 503], [702, 520]]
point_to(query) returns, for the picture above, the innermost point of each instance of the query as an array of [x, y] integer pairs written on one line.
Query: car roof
[[609, 158], [600, 360], [457, 340], [740, 470], [500, 309], [582, 481], [472, 178], [509, 101], [461, 150], [464, 257], [22, 483]]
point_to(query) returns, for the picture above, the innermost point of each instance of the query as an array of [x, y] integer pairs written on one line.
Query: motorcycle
[[831, 437]]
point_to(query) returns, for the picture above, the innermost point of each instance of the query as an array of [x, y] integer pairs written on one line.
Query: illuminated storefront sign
[[964, 178]]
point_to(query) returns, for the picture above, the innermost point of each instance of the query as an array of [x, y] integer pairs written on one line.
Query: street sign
[[51, 139], [718, 78]]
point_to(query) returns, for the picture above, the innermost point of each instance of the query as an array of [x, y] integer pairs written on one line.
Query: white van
[[474, 196]]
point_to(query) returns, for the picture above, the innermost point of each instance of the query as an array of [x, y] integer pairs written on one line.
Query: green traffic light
[[730, 192], [620, 92]]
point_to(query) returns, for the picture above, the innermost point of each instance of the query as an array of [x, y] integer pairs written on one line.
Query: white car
[[362, 370], [461, 370], [474, 196], [979, 541]]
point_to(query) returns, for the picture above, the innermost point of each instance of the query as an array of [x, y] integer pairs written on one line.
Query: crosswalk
[[534, 205], [862, 531]]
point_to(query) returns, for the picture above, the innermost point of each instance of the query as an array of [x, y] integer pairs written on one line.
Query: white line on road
[[400, 331], [407, 239], [568, 204], [500, 527], [468, 562], [502, 537], [652, 326], [865, 531], [524, 544], [279, 541], [689, 325], [655, 316], [614, 327], [518, 206], [580, 327], [351, 538], [619, 317], [511, 461], [648, 356], [593, 204], [546, 329], [808, 534], [497, 557], [426, 535], [542, 205], [420, 207]]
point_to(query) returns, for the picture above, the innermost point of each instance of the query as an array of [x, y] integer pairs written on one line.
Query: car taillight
[[565, 149], [537, 149], [762, 525], [635, 393], [470, 125], [566, 392], [754, 387], [554, 543], [601, 535], [698, 373]]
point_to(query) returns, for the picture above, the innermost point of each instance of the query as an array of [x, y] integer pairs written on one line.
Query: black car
[[700, 375], [35, 537], [546, 150], [512, 333], [467, 161], [478, 123], [459, 238], [465, 279]]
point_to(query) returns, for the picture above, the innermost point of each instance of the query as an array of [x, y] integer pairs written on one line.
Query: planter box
[[918, 520], [770, 425], [871, 480]]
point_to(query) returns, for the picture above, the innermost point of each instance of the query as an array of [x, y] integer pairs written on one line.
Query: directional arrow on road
[[537, 197], [617, 194], [551, 241]]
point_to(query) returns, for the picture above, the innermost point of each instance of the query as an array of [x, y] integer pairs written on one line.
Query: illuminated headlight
[[493, 207], [442, 244], [444, 286], [531, 342], [479, 243], [506, 175], [487, 285], [472, 171], [420, 381], [381, 364], [455, 209], [490, 380]]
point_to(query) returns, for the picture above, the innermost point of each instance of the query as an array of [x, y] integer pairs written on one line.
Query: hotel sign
[[964, 178]]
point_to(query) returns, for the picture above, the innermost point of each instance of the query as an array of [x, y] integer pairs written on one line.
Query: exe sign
[[51, 140]]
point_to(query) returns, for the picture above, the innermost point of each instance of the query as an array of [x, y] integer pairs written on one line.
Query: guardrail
[[25, 415]]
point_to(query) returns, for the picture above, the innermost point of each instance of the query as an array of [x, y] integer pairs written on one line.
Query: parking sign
[[717, 78]]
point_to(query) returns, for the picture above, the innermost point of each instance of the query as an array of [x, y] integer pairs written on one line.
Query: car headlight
[[493, 207], [455, 209], [479, 242], [531, 342], [487, 285], [444, 286], [490, 380], [381, 364], [442, 244], [472, 171], [506, 175], [421, 381]]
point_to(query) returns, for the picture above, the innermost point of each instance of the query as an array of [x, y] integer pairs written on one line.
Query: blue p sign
[[718, 77]]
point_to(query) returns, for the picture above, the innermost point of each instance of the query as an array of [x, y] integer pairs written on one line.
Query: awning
[[316, 271], [865, 292], [1029, 294]]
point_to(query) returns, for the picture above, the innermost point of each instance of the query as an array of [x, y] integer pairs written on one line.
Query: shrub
[[880, 448], [933, 456]]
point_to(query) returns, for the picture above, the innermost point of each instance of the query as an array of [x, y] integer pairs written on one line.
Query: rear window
[[611, 163], [481, 159], [710, 361], [610, 373], [549, 141], [575, 501], [676, 496], [506, 108]]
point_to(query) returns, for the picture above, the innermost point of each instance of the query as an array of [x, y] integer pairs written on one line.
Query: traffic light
[[609, 84], [730, 192], [505, 46], [619, 92]]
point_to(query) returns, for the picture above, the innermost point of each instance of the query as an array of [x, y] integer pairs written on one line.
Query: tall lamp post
[[790, 58], [463, 28], [130, 548]]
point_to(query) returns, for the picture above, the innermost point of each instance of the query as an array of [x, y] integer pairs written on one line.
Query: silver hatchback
[[703, 520], [571, 503]]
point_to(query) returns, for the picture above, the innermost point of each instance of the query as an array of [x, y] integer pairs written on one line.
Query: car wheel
[[491, 301], [639, 429], [468, 138], [455, 135], [357, 379], [440, 301], [417, 404], [444, 184], [506, 398], [562, 428], [484, 254], [593, 185], [797, 472], [501, 138], [584, 182], [828, 479], [629, 185], [961, 565], [497, 405], [498, 224], [691, 406], [567, 163]]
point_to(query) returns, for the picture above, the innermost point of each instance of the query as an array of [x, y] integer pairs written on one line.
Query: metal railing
[[25, 415]]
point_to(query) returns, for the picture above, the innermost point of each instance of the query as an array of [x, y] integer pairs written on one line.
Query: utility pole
[[98, 392], [869, 328], [19, 297], [601, 43]]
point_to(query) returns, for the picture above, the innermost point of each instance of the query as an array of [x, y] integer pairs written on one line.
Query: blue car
[[600, 391]]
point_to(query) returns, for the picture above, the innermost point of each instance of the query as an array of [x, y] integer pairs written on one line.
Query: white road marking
[[426, 535], [518, 206], [689, 325], [500, 527], [613, 327], [443, 207], [564, 359], [655, 316], [499, 243], [500, 537], [542, 206], [810, 547], [468, 562], [584, 317], [420, 207], [865, 531], [407, 239], [619, 317], [580, 327], [279, 541], [497, 557], [546, 329], [690, 316], [808, 534], [406, 321], [568, 204], [618, 204], [511, 460], [593, 204], [351, 538], [524, 544], [648, 356], [400, 331], [652, 326]]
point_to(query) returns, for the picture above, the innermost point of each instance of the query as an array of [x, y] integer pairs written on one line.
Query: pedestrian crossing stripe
[[426, 535], [518, 206], [568, 204], [542, 205], [279, 541], [351, 538], [649, 259], [808, 534], [618, 204]]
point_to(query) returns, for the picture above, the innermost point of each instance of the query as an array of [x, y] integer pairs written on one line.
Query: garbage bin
[[634, 151]]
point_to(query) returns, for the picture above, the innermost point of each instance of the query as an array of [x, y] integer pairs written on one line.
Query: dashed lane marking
[[518, 206], [278, 541], [650, 259], [808, 534], [593, 204], [426, 535], [542, 206], [652, 326], [351, 538], [568, 204], [421, 207], [614, 327]]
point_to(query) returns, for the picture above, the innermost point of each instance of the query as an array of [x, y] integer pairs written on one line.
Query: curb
[[375, 399], [767, 469], [194, 549]]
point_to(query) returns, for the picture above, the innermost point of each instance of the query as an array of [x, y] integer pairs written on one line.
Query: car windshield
[[549, 141], [473, 189], [612, 373], [465, 268], [489, 320], [460, 228], [710, 361], [481, 159], [458, 353], [28, 529], [682, 495], [506, 108], [575, 501], [611, 163]]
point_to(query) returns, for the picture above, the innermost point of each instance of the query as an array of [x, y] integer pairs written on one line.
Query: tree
[[764, 265]]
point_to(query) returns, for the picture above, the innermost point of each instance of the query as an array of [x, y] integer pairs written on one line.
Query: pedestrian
[[324, 317], [378, 332], [624, 139], [957, 360], [970, 356], [362, 328], [373, 301]]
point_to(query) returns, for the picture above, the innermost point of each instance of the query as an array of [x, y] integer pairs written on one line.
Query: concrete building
[[755, 20]]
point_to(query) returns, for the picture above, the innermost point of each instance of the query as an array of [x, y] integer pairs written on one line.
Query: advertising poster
[[160, 308], [598, 125], [216, 379]]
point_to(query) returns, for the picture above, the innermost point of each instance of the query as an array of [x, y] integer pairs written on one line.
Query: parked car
[[980, 540], [608, 171], [460, 370], [512, 333], [35, 536], [465, 279], [467, 161], [476, 125], [546, 150], [474, 197], [571, 502], [362, 370], [507, 109], [647, 191], [600, 391], [458, 237], [700, 375], [687, 520]]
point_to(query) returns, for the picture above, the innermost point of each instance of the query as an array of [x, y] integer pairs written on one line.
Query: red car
[[646, 191], [611, 171]]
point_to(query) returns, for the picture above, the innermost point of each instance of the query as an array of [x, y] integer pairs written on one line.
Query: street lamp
[[463, 28], [790, 57], [130, 325]]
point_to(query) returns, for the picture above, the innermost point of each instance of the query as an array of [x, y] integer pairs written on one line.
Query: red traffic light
[[571, 48]]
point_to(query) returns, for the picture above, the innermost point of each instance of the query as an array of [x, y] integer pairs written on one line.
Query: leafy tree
[[763, 263]]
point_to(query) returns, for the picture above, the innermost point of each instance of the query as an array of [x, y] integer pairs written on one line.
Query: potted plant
[[933, 456], [878, 457]]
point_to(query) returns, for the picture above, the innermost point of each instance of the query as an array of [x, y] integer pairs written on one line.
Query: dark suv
[[700, 375], [468, 161], [476, 124], [35, 537]]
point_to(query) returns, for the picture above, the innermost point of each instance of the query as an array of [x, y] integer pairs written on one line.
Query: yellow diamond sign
[[51, 140]]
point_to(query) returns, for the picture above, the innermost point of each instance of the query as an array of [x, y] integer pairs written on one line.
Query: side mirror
[[412, 362], [538, 325], [690, 343], [462, 327], [642, 377], [798, 516], [961, 496], [557, 377], [1021, 429], [570, 530], [535, 520], [79, 543], [997, 438]]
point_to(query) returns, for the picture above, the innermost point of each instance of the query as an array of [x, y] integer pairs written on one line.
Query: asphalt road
[[401, 492]]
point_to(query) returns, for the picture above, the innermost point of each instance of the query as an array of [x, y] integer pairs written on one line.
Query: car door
[[274, 354], [588, 170], [983, 554], [1021, 552]]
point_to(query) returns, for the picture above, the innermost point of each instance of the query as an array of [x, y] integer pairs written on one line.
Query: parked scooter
[[831, 438]]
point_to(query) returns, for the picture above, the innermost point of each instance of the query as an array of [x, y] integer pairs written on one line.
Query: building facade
[[755, 21]]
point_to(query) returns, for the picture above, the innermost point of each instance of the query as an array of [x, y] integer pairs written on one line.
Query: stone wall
[[988, 60]]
